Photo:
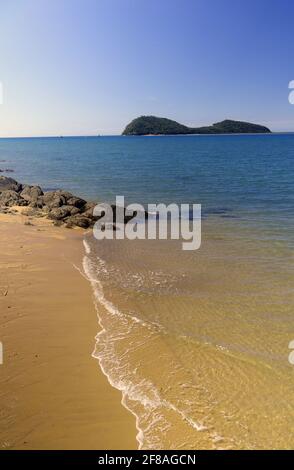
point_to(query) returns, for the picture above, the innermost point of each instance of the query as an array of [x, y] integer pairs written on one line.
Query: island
[[152, 125]]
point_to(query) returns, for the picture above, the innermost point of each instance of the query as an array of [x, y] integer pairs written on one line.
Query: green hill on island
[[152, 125]]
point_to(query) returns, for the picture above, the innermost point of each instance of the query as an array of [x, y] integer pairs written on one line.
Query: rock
[[52, 199], [88, 210], [55, 199], [37, 203], [76, 201], [89, 213], [65, 194], [90, 205], [57, 223], [79, 221], [59, 213], [31, 193], [72, 209], [48, 196], [11, 198], [62, 207], [7, 183]]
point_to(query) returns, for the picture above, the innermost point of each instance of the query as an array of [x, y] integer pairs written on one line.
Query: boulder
[[11, 198], [37, 203], [73, 210], [7, 183], [88, 210], [65, 194], [90, 205], [76, 201], [53, 199], [59, 213], [79, 221], [31, 193]]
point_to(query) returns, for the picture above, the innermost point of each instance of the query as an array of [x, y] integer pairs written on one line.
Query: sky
[[87, 67]]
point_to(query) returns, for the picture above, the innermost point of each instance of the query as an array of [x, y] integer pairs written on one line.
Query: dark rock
[[7, 183], [65, 194], [11, 198], [37, 203], [79, 221], [90, 205], [31, 193], [57, 223], [76, 201], [72, 209], [88, 210], [62, 207], [53, 200], [59, 213], [89, 213]]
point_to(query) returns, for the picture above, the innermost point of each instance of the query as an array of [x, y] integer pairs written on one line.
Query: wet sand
[[53, 394]]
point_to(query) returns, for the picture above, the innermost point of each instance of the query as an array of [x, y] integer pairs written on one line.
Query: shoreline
[[53, 394]]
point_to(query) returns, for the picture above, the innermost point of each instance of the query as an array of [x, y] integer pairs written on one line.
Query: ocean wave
[[139, 394]]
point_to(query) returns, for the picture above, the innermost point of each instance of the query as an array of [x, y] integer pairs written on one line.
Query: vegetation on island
[[152, 125]]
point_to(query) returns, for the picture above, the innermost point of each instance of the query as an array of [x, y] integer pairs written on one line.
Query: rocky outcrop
[[80, 221], [9, 183], [11, 198], [62, 207], [31, 193]]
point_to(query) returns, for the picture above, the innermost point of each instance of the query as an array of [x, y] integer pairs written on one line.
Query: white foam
[[87, 247], [144, 392]]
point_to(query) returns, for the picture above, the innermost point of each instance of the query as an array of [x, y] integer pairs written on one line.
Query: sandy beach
[[53, 394]]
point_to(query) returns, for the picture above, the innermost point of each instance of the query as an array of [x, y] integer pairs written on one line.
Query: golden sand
[[53, 394]]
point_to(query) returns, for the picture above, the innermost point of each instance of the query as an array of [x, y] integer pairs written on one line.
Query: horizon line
[[61, 136]]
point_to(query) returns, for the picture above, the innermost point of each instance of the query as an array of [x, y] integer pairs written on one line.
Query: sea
[[198, 342]]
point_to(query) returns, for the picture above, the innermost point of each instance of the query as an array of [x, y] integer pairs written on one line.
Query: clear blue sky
[[77, 67]]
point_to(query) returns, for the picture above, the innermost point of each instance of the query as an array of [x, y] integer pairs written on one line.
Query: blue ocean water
[[250, 177], [193, 340]]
